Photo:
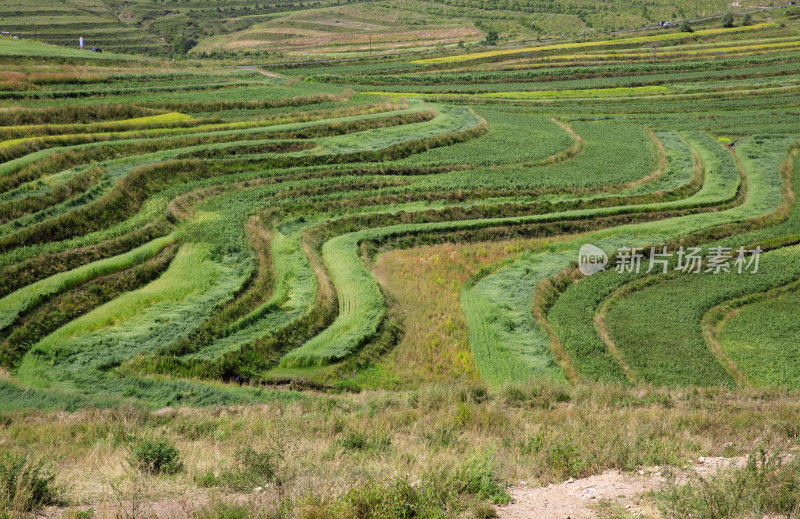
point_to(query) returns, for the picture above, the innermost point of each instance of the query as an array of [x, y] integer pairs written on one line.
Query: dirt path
[[260, 71], [581, 498]]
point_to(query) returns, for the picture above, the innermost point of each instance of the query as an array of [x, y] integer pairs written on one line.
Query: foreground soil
[[602, 494]]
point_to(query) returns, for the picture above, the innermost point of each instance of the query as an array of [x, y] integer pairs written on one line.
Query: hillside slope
[[331, 28]]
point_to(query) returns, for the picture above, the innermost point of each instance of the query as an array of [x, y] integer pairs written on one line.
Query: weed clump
[[361, 441], [251, 469], [155, 457], [26, 484], [766, 486]]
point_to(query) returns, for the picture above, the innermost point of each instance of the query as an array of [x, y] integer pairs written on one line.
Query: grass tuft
[[155, 457], [26, 484]]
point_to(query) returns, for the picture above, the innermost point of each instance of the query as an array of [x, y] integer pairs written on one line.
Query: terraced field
[[147, 27], [410, 27], [324, 29], [197, 235]]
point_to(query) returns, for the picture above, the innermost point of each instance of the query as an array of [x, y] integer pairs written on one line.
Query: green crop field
[[373, 213]]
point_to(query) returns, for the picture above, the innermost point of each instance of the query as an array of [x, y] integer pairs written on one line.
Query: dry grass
[[426, 283], [537, 433]]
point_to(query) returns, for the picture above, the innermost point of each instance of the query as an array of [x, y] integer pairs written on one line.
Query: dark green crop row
[[37, 323], [557, 73]]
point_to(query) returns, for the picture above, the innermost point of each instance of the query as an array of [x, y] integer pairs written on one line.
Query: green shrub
[[476, 478], [564, 457], [155, 457], [445, 492], [492, 37], [685, 27], [727, 20], [395, 499], [473, 394], [354, 440], [360, 441], [183, 43], [206, 480], [26, 484], [251, 469]]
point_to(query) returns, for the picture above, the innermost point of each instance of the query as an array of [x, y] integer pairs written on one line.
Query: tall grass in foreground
[[768, 485], [25, 485], [447, 449]]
